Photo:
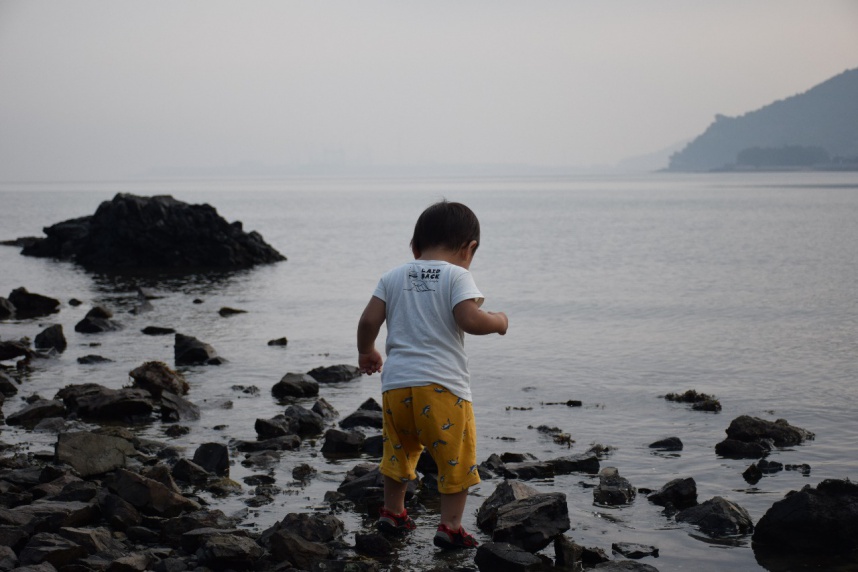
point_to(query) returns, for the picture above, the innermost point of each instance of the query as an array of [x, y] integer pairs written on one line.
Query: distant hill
[[817, 129]]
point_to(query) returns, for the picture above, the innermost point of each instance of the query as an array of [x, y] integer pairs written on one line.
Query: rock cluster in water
[[108, 500], [132, 232]]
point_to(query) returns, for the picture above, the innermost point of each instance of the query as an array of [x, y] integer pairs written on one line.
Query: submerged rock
[[811, 520], [134, 232], [718, 517]]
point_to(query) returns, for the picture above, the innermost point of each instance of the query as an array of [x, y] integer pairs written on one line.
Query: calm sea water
[[618, 290]]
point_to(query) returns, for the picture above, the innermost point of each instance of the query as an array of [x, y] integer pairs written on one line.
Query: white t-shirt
[[424, 343]]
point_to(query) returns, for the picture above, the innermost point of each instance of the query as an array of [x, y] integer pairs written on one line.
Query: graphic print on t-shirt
[[421, 278]]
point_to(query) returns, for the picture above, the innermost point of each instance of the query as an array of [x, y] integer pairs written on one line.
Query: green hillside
[[817, 129]]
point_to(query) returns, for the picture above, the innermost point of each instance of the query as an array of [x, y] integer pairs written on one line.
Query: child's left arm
[[369, 359], [478, 322]]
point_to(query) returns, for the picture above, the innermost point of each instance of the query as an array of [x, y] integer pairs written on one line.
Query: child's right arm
[[369, 359], [478, 322]]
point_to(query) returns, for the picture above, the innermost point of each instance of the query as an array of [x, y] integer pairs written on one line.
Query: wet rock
[[295, 385], [51, 338], [7, 386], [12, 349], [625, 566], [213, 457], [634, 551], [228, 551], [812, 520], [148, 495], [324, 409], [303, 472], [174, 528], [302, 553], [156, 376], [94, 401], [136, 562], [343, 442], [93, 454], [8, 558], [308, 422], [752, 474], [277, 426], [735, 449], [506, 557], [718, 518], [284, 443], [678, 493], [373, 446], [227, 311], [7, 308], [505, 493], [363, 418], [753, 429], [133, 232], [30, 415], [584, 463], [613, 489], [51, 548], [335, 373], [189, 472], [373, 544], [668, 444], [176, 408], [533, 522], [50, 515], [567, 554], [119, 513], [278, 342], [32, 305], [699, 401], [188, 350], [96, 321], [364, 484], [92, 359], [157, 331], [92, 540], [527, 470], [314, 527]]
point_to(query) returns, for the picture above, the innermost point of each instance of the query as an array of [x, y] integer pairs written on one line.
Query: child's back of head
[[446, 224]]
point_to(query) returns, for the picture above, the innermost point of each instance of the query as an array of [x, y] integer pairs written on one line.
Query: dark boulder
[[334, 373], [30, 415], [156, 376], [133, 232], [229, 552], [91, 453], [533, 522], [177, 408], [7, 308], [735, 449], [213, 457], [31, 305], [51, 338], [157, 331], [295, 385], [718, 518], [667, 444], [7, 386], [812, 520], [505, 493], [753, 429], [678, 493], [277, 426], [188, 350], [92, 359], [309, 423], [13, 349], [148, 495], [634, 551], [98, 320], [363, 418], [94, 401], [506, 557], [343, 442], [613, 489], [46, 547]]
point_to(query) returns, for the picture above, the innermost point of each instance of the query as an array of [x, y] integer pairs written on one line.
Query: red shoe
[[394, 523], [446, 538]]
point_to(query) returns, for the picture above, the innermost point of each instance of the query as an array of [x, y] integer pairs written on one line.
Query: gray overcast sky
[[101, 89]]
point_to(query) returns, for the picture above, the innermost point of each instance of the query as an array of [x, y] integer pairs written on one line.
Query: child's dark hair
[[452, 225]]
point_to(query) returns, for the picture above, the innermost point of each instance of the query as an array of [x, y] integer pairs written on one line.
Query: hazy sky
[[113, 88]]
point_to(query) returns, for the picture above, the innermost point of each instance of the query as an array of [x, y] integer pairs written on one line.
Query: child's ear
[[469, 249]]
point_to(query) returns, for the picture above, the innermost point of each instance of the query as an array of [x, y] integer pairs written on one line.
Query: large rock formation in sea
[[132, 232], [814, 129]]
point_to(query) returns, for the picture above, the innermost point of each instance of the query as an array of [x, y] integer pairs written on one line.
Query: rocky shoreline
[[108, 499]]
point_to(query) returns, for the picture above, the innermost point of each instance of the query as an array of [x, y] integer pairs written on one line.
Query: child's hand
[[504, 321], [370, 363]]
